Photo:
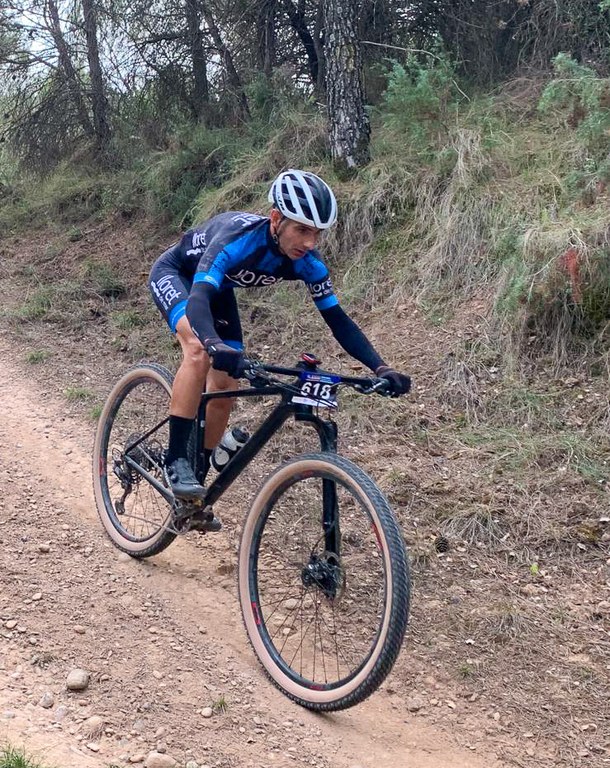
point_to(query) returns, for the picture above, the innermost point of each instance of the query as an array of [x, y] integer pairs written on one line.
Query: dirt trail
[[162, 639]]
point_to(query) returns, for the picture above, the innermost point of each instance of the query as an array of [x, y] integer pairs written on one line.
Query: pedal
[[208, 524], [186, 509], [192, 516]]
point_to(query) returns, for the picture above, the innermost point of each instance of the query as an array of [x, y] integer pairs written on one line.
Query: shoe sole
[[212, 527], [189, 495]]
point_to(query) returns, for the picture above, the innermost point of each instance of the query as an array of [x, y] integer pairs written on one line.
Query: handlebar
[[256, 372]]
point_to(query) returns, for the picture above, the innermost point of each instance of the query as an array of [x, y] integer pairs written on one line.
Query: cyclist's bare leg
[[218, 411], [191, 376], [194, 372]]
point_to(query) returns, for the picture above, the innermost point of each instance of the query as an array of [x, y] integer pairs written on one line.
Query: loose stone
[[158, 760], [77, 680], [47, 700]]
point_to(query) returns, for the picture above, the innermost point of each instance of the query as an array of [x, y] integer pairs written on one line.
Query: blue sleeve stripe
[[177, 312], [329, 301], [213, 270], [239, 345], [207, 277]]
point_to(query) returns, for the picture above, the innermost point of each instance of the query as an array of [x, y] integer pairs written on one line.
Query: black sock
[[179, 433]]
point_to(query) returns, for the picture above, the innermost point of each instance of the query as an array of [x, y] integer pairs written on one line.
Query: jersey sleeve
[[220, 257], [316, 277], [221, 250]]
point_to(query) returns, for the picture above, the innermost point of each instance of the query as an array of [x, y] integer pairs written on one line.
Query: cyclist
[[192, 285]]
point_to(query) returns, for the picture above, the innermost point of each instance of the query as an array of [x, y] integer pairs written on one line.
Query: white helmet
[[304, 197]]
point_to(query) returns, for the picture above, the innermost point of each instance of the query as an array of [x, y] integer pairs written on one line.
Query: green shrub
[[51, 302], [36, 356], [579, 98], [298, 139], [66, 197], [557, 299], [96, 412], [103, 279], [128, 319], [16, 758], [37, 304], [419, 99], [199, 157], [78, 394], [270, 98]]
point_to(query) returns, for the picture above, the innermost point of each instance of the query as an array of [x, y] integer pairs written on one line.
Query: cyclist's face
[[295, 239]]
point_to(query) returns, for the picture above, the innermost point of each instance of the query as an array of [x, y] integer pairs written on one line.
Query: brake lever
[[380, 386]]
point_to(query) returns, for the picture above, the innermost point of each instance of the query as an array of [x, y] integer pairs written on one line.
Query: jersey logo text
[[246, 278]]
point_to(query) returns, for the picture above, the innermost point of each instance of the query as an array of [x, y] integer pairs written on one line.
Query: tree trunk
[[298, 23], [318, 38], [349, 127], [99, 103], [266, 36], [233, 78], [201, 91], [67, 67]]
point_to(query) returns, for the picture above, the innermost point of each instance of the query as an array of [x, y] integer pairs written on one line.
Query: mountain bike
[[323, 576]]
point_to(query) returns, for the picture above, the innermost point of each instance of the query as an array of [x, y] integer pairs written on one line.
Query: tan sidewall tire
[[141, 372], [281, 679]]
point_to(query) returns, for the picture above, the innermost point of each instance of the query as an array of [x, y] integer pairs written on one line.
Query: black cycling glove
[[400, 383], [225, 358]]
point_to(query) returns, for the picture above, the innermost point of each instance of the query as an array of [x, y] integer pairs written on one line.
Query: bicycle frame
[[326, 429], [318, 528], [327, 432]]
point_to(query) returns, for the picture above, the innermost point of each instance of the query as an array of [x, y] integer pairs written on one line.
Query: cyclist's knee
[[193, 354], [218, 381]]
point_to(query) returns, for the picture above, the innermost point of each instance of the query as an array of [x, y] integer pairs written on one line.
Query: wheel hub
[[325, 573], [148, 455]]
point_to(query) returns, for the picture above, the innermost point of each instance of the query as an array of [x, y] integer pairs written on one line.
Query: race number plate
[[318, 389]]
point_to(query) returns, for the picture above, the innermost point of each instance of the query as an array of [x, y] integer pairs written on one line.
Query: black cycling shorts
[[170, 291]]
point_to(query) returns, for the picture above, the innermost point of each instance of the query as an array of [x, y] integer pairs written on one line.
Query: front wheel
[[323, 582], [130, 441]]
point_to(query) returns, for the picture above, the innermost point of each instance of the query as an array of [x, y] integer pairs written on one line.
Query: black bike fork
[[327, 432]]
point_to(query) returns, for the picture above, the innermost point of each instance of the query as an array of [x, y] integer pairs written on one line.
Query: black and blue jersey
[[197, 275]]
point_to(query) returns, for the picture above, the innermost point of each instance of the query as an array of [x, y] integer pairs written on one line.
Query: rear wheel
[[131, 437], [323, 582]]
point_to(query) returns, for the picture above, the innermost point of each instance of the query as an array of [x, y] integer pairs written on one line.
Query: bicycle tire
[[392, 596], [116, 423]]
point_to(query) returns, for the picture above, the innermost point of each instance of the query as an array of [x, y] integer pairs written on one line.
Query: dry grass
[[556, 298], [460, 388], [474, 526], [302, 138]]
